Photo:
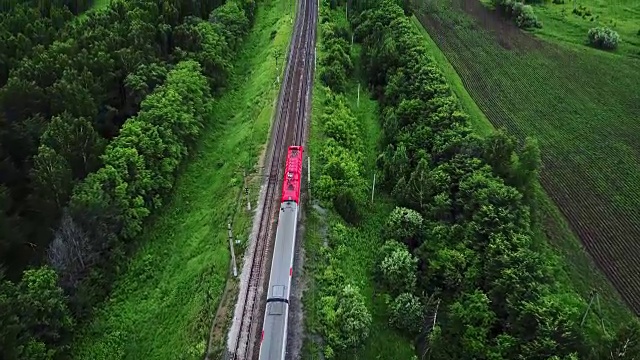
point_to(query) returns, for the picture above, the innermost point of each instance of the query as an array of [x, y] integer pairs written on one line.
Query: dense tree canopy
[[83, 82], [96, 115], [468, 220]]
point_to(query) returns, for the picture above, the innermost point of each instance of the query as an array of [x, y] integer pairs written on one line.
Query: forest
[[459, 247], [468, 215], [98, 110]]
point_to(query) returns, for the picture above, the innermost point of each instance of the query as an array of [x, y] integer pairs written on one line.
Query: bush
[[341, 181], [352, 319], [603, 38], [344, 319], [523, 15], [404, 225], [398, 270], [407, 313], [348, 204], [335, 60]]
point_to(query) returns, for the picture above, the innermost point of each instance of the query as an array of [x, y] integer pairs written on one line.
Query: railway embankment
[[289, 128]]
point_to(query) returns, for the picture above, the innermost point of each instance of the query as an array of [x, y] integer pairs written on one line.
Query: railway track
[[288, 129]]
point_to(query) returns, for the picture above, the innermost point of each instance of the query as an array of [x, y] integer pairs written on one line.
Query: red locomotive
[[292, 175], [276, 317]]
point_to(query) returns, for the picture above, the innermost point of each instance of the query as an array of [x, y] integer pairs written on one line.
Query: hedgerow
[[475, 249], [343, 316], [341, 157]]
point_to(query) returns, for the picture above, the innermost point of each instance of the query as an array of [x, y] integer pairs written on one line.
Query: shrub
[[348, 204], [407, 313], [399, 271], [352, 319], [344, 319], [335, 60], [603, 38], [341, 182], [524, 16], [404, 225]]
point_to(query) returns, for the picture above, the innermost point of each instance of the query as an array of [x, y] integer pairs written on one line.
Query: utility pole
[[373, 189], [584, 317], [358, 103], [346, 10], [600, 313], [276, 54], [246, 191], [309, 176], [315, 59], [233, 253]]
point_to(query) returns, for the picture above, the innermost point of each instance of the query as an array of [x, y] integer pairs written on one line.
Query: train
[[273, 342]]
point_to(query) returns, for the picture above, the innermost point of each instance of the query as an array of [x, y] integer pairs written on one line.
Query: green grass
[[576, 268], [560, 24], [162, 305], [100, 4]]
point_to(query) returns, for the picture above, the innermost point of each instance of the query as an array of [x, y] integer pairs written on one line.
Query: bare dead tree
[[71, 251], [431, 314]]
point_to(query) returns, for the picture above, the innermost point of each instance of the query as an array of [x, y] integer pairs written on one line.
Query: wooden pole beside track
[[246, 190], [373, 189], [584, 317], [309, 176], [233, 253]]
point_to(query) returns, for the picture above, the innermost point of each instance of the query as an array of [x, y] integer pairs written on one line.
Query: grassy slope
[[162, 305], [576, 266], [621, 15], [357, 260]]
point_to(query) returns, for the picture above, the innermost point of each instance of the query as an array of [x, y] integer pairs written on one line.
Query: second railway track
[[289, 128]]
